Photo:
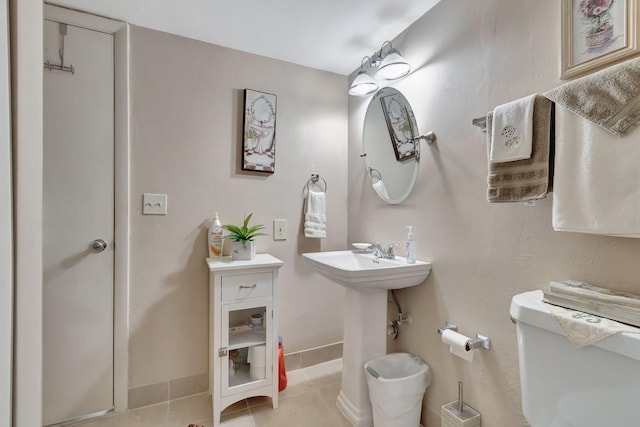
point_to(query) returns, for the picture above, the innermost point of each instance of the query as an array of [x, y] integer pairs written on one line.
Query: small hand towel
[[526, 179], [379, 187], [315, 220], [609, 98], [597, 178], [583, 329], [512, 130]]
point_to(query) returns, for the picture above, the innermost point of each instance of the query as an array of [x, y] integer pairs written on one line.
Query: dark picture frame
[[259, 131], [399, 124]]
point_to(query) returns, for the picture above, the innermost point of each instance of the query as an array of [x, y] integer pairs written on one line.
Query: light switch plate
[[279, 229], [154, 204]]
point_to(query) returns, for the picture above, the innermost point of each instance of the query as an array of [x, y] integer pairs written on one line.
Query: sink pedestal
[[365, 326], [366, 279]]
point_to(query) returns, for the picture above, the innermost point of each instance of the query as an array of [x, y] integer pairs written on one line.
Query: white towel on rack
[[315, 219], [512, 130], [380, 188], [597, 179]]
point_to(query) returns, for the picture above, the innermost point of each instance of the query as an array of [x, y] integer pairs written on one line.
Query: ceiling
[[331, 35]]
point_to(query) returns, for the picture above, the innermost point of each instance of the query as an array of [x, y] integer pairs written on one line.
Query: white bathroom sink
[[365, 271], [366, 279]]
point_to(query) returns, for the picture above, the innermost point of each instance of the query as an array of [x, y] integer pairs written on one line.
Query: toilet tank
[[562, 386]]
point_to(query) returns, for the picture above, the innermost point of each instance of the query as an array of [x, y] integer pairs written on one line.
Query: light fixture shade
[[363, 84], [393, 66]]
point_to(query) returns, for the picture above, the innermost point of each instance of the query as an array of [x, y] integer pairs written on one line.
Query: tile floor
[[309, 400]]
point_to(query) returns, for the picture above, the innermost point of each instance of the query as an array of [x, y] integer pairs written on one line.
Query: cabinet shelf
[[247, 338]]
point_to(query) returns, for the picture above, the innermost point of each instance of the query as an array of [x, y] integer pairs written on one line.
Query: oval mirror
[[392, 153]]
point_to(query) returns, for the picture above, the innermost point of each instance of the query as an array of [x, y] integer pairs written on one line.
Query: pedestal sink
[[367, 280]]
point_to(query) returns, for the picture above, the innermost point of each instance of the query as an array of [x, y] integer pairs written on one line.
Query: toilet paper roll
[[257, 355], [457, 344], [257, 372]]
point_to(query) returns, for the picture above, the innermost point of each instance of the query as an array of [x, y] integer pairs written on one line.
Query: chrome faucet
[[379, 252], [377, 249]]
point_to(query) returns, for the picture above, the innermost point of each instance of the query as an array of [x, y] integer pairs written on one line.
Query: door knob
[[98, 246]]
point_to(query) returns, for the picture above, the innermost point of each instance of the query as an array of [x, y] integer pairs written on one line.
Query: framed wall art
[[259, 139], [596, 34], [400, 126]]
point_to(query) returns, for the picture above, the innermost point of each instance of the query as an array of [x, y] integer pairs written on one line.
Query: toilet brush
[[458, 413]]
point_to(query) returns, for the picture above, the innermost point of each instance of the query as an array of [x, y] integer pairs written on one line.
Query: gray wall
[[467, 58], [186, 123]]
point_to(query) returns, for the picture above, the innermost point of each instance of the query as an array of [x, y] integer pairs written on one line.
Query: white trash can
[[397, 383]]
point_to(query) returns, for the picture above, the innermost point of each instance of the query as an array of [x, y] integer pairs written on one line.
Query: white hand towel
[[379, 187], [315, 220], [597, 178], [512, 130]]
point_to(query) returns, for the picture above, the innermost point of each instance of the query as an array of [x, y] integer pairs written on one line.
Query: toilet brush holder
[[451, 417], [459, 414]]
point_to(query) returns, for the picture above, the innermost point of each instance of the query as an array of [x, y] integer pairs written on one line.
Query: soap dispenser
[[215, 237], [411, 246]]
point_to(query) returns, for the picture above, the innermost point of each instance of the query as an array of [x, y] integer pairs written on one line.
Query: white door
[[78, 213]]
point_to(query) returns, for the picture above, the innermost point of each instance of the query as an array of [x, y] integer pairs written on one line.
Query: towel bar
[[481, 122]]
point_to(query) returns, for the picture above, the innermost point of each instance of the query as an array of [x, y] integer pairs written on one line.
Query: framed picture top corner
[[597, 34]]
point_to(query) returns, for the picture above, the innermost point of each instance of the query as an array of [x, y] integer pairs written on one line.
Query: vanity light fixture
[[363, 84], [392, 65], [389, 65]]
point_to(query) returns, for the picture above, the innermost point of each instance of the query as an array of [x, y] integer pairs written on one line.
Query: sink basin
[[365, 271]]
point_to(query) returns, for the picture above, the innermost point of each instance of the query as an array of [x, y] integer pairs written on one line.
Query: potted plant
[[242, 236]]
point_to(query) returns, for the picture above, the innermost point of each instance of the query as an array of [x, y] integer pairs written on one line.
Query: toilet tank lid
[[526, 309]]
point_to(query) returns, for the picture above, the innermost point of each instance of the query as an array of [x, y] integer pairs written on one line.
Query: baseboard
[[152, 394], [313, 356]]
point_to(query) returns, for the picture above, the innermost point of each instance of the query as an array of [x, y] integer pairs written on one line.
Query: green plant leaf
[[247, 219], [243, 233]]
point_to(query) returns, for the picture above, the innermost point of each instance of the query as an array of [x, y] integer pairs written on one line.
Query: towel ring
[[374, 173], [315, 178]]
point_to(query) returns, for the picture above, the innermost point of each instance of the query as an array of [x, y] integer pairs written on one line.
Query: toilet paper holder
[[480, 341], [448, 325]]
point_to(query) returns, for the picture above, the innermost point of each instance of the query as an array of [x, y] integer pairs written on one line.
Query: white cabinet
[[243, 330]]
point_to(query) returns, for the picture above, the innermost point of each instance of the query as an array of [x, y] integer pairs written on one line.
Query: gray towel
[[609, 98], [526, 179]]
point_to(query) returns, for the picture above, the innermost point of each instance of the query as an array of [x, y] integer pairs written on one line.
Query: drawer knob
[[248, 286]]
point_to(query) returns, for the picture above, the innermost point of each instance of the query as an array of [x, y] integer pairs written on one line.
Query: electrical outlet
[[279, 229], [154, 204]]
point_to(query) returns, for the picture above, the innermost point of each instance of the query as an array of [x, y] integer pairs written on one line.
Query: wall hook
[[62, 30]]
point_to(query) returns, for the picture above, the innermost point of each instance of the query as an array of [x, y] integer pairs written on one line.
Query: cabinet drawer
[[246, 286]]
